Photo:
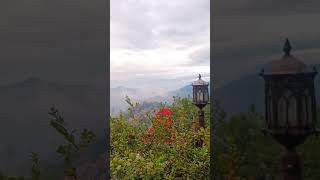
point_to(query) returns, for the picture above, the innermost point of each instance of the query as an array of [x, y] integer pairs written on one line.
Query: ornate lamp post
[[200, 98], [290, 107]]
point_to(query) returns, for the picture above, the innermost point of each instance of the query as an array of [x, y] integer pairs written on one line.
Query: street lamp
[[200, 98], [290, 107]]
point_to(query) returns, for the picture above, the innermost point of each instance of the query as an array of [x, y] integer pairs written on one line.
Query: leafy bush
[[165, 150], [70, 151], [243, 152]]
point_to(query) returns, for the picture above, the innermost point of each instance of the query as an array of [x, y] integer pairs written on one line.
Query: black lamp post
[[290, 107], [200, 98]]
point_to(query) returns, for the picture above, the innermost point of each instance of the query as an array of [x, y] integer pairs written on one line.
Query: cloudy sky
[[163, 43], [249, 33], [54, 40], [159, 45]]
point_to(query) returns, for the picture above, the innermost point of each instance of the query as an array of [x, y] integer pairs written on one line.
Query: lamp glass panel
[[282, 112], [309, 109], [195, 94], [270, 120], [199, 96], [270, 113], [292, 112], [304, 111], [206, 99]]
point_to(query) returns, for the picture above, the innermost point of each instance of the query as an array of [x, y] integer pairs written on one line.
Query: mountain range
[[234, 97], [248, 90], [24, 111], [118, 94]]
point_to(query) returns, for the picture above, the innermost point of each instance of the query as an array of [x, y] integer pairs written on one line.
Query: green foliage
[[137, 155], [35, 167], [4, 177], [310, 155], [74, 142], [244, 152]]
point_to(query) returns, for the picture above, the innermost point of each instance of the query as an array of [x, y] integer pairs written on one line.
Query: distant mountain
[[118, 94], [117, 98], [124, 90], [238, 95], [185, 91], [146, 101], [182, 92], [24, 110]]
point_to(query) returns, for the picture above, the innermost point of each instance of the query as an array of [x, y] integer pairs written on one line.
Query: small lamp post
[[200, 98], [290, 107]]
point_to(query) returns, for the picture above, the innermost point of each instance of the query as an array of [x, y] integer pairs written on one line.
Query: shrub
[[164, 150]]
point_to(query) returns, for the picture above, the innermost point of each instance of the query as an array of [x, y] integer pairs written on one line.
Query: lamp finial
[[287, 47]]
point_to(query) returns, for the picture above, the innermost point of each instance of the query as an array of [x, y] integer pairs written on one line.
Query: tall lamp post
[[200, 99], [290, 107]]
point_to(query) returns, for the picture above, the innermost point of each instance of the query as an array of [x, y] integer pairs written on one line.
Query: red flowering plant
[[162, 122], [161, 146]]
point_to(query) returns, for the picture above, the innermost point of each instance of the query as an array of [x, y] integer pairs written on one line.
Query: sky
[[247, 34], [159, 45], [163, 44], [54, 40]]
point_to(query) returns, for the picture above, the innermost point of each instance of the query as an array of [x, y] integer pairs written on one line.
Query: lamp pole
[[201, 118], [291, 165]]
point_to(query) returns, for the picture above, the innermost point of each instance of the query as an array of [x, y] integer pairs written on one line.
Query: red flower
[[151, 131], [163, 115], [168, 122], [149, 138], [168, 141], [164, 111]]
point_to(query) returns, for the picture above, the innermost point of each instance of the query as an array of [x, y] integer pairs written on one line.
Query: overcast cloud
[[250, 33], [53, 40], [159, 45]]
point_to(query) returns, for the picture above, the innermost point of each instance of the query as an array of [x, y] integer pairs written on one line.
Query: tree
[[74, 142]]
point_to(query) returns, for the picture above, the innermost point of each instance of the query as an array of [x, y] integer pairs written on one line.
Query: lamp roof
[[288, 64], [199, 82]]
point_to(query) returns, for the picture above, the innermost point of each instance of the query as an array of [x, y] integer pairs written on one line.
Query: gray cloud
[[200, 57], [265, 7], [247, 34], [145, 24], [55, 40], [163, 31]]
